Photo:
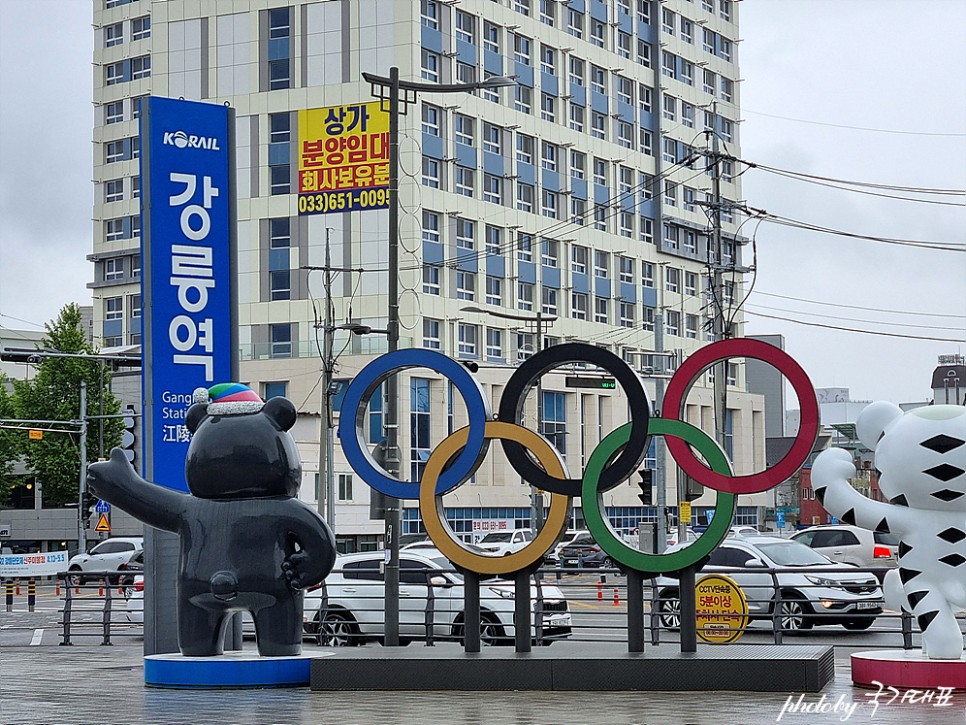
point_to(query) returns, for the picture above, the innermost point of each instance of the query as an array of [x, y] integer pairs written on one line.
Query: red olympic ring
[[677, 393]]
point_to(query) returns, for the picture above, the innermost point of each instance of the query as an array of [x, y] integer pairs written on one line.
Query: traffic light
[[693, 489], [129, 437], [647, 487]]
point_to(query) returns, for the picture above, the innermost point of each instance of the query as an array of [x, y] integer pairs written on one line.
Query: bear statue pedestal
[[904, 669], [237, 669]]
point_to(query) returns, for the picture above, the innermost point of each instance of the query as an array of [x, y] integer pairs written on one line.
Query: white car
[[837, 595], [852, 545], [350, 609], [135, 601], [553, 556], [107, 555], [502, 543]]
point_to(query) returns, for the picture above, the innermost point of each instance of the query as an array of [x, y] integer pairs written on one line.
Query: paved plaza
[[92, 684]]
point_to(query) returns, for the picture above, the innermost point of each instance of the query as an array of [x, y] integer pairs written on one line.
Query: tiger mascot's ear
[[873, 421]]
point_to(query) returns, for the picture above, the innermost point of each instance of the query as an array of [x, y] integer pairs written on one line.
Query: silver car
[[107, 555], [350, 606], [852, 545], [839, 594]]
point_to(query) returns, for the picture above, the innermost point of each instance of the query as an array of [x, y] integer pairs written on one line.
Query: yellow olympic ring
[[431, 505]]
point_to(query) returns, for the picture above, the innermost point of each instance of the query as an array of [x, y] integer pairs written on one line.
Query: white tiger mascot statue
[[921, 457]]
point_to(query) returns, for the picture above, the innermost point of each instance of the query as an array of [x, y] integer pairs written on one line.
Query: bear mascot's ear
[[873, 421], [281, 411], [196, 414]]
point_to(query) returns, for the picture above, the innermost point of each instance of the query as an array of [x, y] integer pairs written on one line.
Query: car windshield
[[885, 539], [792, 553], [497, 538]]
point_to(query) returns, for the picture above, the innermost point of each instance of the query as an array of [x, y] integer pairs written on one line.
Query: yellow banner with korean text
[[343, 158]]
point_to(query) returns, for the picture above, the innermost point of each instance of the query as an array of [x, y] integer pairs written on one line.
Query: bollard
[[617, 597], [9, 595], [600, 590], [18, 587], [57, 588], [31, 595]]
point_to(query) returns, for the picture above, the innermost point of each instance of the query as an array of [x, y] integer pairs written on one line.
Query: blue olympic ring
[[356, 402]]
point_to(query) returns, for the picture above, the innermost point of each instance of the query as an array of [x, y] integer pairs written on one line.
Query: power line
[[855, 128], [858, 330], [854, 319], [857, 307]]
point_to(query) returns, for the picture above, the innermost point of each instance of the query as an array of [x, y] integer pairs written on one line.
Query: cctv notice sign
[[188, 258], [722, 609]]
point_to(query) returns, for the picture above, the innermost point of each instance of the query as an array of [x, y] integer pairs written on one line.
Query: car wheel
[[857, 625], [75, 579], [337, 629], [669, 607], [795, 613], [607, 563], [491, 632]]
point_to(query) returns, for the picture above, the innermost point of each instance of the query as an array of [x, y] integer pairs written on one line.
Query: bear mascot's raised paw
[[247, 542], [921, 456]]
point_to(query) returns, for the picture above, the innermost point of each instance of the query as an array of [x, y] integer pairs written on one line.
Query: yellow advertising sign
[[722, 609], [685, 512], [343, 158], [35, 435]]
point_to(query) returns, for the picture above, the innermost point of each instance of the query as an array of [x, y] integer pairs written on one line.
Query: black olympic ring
[[524, 378]]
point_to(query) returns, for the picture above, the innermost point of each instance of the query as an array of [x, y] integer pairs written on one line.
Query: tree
[[54, 394], [9, 449]]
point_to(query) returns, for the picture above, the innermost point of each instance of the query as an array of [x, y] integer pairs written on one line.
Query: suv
[[349, 608], [502, 543], [838, 594], [852, 545], [107, 555], [583, 551]]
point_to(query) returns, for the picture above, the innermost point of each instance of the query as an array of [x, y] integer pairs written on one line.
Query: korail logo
[[182, 140]]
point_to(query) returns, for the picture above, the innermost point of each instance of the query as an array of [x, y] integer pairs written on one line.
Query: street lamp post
[[387, 90]]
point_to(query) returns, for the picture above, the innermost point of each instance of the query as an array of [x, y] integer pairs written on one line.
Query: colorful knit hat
[[228, 399]]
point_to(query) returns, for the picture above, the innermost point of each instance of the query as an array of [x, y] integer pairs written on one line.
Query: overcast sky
[[859, 90]]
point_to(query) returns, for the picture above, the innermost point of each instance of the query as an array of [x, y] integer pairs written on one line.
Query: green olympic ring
[[604, 535]]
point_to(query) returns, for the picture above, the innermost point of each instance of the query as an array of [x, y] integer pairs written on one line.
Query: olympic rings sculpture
[[616, 457]]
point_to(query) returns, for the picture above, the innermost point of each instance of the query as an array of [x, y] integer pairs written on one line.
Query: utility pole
[[82, 484], [536, 507], [717, 286], [326, 434], [660, 447]]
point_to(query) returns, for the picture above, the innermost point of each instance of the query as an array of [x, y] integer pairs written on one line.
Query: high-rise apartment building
[[583, 193]]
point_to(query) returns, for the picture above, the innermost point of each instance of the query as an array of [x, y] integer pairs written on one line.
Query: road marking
[[38, 636]]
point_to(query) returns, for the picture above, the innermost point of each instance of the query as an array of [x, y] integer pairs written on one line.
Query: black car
[[584, 551], [130, 569]]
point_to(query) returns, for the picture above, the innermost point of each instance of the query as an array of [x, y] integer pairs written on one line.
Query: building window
[[670, 193], [420, 442], [280, 233], [494, 343], [575, 23], [548, 59], [550, 253], [113, 308], [431, 339], [521, 49], [668, 64], [578, 305], [690, 242], [113, 190], [548, 108], [647, 275], [690, 283], [492, 138], [466, 286], [465, 233], [554, 423], [578, 259], [600, 172], [600, 217], [549, 301], [345, 486], [598, 128], [601, 264], [624, 44], [709, 81], [602, 310], [548, 12], [136, 274], [281, 182], [647, 319], [431, 119], [691, 327], [494, 291], [429, 66], [281, 286], [673, 326], [281, 340], [647, 142], [114, 73], [431, 280], [646, 231], [524, 248], [687, 72], [465, 27], [463, 129], [578, 210], [430, 172], [522, 6], [548, 206], [598, 79], [524, 296], [114, 112], [598, 33], [466, 346], [525, 197], [429, 13], [667, 21], [113, 35], [493, 238], [113, 230], [577, 117], [672, 279], [523, 99], [626, 224], [465, 181], [625, 135], [524, 148], [670, 236], [492, 189], [135, 187], [627, 314], [626, 269], [430, 226], [141, 28], [491, 37], [113, 269]]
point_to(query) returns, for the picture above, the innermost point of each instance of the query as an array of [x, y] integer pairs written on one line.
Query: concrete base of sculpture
[[232, 670], [749, 668], [907, 668]]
